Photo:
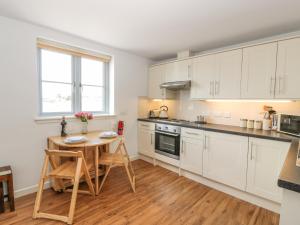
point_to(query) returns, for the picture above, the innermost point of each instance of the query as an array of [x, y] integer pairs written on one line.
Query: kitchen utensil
[[250, 124], [267, 123], [258, 125], [75, 140], [243, 123], [108, 134], [201, 119], [163, 114], [151, 114]]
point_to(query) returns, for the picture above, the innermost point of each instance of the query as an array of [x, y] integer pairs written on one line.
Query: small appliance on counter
[[201, 119], [289, 124], [163, 113], [153, 114]]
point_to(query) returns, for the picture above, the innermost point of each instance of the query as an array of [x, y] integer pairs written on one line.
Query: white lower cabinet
[[265, 160], [191, 151], [146, 139], [225, 159]]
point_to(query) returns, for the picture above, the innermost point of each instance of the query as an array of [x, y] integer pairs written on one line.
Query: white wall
[[22, 138]]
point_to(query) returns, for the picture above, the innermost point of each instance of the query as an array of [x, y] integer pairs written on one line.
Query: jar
[[250, 124], [267, 123], [258, 125], [243, 123]]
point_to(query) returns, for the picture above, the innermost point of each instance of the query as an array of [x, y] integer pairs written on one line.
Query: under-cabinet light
[[248, 100]]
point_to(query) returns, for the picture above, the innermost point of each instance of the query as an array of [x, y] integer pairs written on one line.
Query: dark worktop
[[289, 177], [272, 135]]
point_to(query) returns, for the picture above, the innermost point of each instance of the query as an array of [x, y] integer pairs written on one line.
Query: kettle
[[163, 114]]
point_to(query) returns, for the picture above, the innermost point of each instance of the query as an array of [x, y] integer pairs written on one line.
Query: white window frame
[[76, 87]]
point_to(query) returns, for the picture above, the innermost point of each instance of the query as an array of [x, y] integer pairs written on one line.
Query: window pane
[[56, 66], [56, 97], [92, 72], [92, 98]]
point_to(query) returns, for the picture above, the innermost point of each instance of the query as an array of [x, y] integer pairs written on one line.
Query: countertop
[[289, 177], [272, 135]]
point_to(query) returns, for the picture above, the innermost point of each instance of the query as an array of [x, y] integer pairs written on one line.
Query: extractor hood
[[176, 85]]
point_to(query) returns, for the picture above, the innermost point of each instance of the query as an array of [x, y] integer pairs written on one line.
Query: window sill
[[56, 119]]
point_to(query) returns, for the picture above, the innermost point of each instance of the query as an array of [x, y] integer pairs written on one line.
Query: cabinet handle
[[151, 136], [211, 88], [182, 146], [279, 84], [217, 87], [271, 85], [252, 155], [189, 71], [144, 125], [204, 142], [191, 133]]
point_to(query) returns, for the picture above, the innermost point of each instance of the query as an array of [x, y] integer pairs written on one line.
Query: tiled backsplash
[[228, 112]]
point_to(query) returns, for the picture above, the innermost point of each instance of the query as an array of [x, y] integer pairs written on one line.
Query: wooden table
[[90, 148]]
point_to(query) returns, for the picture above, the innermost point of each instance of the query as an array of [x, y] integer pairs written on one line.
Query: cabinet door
[[156, 78], [225, 159], [203, 76], [288, 69], [178, 71], [265, 160], [229, 75], [146, 142], [191, 154], [258, 71]]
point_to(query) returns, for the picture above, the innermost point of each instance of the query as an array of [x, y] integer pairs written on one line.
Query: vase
[[84, 127]]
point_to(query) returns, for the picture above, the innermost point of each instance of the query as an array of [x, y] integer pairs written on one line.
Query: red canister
[[120, 127]]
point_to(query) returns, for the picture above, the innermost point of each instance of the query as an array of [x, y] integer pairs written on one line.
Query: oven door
[[167, 144]]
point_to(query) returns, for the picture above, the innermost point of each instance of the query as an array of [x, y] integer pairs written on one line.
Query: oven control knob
[[174, 130]]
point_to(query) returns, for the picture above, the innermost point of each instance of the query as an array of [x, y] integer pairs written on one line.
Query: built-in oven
[[167, 140]]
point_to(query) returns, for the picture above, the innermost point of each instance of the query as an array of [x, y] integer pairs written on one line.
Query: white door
[[191, 154], [146, 142], [225, 159], [258, 71], [288, 69], [156, 78], [228, 79], [203, 76], [178, 71], [265, 160]]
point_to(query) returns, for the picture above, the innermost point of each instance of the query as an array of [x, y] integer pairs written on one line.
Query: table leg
[[96, 169], [11, 192], [1, 198]]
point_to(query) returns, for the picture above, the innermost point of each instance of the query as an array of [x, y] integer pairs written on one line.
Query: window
[[72, 82]]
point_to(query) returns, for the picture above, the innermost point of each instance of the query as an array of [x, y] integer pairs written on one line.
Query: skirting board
[[32, 189], [261, 202]]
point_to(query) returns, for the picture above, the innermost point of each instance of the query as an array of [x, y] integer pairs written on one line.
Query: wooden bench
[[7, 176]]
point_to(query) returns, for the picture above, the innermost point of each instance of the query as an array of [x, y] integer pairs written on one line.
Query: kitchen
[[192, 122], [150, 112]]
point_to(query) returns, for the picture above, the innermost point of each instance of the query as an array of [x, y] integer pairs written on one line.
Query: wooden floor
[[162, 197]]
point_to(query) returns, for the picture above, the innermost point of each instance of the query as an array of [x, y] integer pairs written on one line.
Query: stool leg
[[11, 192], [1, 198]]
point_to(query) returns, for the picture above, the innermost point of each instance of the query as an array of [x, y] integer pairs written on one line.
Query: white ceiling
[[157, 29]]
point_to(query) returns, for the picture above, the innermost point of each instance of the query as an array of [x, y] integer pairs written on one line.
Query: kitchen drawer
[[191, 133], [146, 125]]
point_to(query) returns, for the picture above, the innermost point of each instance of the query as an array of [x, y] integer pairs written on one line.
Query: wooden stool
[[7, 176], [119, 157], [71, 170]]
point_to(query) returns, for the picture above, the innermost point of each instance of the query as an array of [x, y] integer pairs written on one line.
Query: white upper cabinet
[[258, 71], [225, 158], [156, 77], [179, 71], [228, 77], [217, 76], [288, 69], [265, 160], [204, 71]]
